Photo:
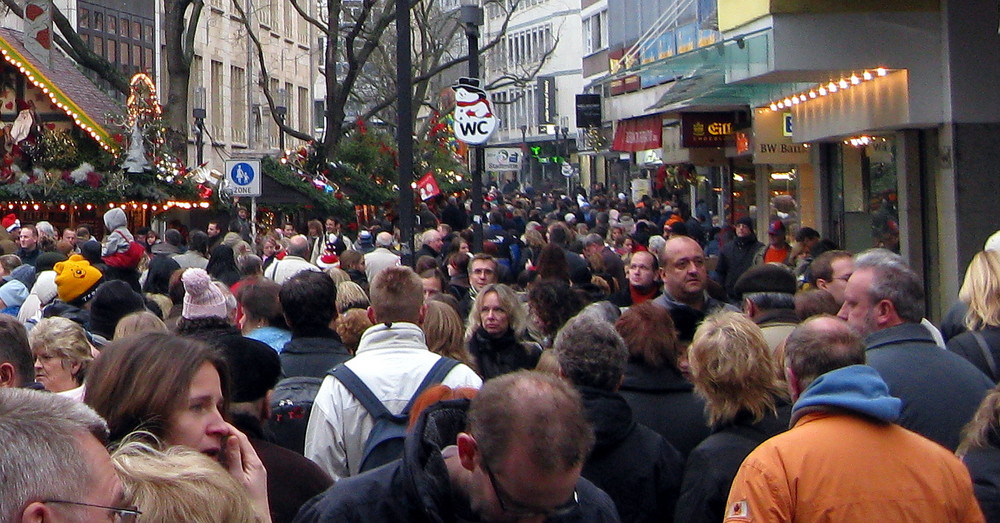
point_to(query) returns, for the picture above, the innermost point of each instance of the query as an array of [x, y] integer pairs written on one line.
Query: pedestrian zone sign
[[243, 177], [474, 117]]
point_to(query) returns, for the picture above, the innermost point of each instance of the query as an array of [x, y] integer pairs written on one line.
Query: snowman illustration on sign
[[474, 118]]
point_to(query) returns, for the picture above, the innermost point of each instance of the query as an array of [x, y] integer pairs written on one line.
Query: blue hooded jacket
[[857, 388]]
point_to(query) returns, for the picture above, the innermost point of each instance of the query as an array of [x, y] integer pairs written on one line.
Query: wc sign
[[475, 120]]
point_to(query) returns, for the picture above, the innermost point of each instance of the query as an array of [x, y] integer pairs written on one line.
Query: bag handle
[[987, 353]]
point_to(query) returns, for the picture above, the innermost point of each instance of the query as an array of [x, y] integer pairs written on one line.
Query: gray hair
[[656, 243], [298, 245], [591, 353], [249, 264], [771, 300], [895, 281], [42, 458], [592, 239], [383, 239], [603, 311]]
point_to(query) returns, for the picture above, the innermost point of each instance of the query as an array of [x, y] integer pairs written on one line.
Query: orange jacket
[[838, 467]]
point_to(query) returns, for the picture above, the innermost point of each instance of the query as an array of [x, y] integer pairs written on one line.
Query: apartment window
[[321, 46], [289, 18], [291, 115], [84, 18], [319, 121], [303, 25], [595, 32], [216, 118], [264, 14], [303, 107], [239, 105]]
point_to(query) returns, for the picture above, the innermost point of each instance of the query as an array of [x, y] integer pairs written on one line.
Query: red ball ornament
[[338, 195]]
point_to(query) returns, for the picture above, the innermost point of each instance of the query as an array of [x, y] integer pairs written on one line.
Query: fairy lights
[[821, 90], [56, 97]]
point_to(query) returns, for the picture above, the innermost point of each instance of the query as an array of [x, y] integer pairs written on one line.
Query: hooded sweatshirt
[[857, 388]]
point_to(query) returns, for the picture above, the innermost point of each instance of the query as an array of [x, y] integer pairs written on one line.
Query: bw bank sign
[[474, 117]]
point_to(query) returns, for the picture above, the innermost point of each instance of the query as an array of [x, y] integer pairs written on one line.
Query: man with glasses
[[641, 284], [54, 463], [830, 272], [513, 454], [682, 269]]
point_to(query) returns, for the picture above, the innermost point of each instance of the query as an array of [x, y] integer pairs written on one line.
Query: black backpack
[[291, 404], [385, 441]]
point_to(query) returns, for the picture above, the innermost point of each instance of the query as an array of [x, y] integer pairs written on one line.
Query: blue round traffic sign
[[242, 174]]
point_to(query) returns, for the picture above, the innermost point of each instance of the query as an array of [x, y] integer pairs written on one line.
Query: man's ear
[[371, 315], [423, 313], [822, 284], [36, 512], [467, 450], [749, 308], [885, 312], [793, 383], [8, 377]]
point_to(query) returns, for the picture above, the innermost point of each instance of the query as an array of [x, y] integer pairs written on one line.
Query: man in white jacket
[[392, 360]]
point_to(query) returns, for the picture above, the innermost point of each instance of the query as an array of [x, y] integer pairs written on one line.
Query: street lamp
[[565, 137], [198, 111], [524, 156], [281, 109], [404, 123], [472, 17]]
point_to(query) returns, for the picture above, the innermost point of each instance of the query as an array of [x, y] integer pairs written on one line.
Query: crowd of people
[[596, 360]]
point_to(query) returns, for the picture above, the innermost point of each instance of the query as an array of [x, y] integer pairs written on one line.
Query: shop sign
[[638, 134], [772, 142], [503, 159], [546, 99], [588, 110], [674, 153], [706, 129]]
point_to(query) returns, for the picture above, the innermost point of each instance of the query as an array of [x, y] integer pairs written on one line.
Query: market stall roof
[[65, 85]]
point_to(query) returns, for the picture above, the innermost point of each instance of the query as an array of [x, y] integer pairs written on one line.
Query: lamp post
[[199, 113], [404, 123], [522, 174], [565, 140], [472, 18], [281, 109]]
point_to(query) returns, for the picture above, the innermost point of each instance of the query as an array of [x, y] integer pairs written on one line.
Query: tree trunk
[[178, 59]]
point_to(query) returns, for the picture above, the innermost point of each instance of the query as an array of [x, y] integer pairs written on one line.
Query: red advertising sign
[[427, 186], [706, 129], [639, 134]]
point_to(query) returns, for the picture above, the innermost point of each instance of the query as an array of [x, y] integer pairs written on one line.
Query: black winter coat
[[965, 345], [664, 401], [496, 356], [984, 467], [637, 467], [713, 464], [312, 356], [417, 488], [737, 256]]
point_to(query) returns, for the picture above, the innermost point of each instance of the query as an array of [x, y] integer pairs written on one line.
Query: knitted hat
[[776, 227], [769, 277], [13, 293], [47, 260], [746, 220], [10, 222], [77, 280], [113, 301], [201, 298]]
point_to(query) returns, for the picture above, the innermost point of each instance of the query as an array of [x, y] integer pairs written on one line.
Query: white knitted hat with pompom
[[201, 298]]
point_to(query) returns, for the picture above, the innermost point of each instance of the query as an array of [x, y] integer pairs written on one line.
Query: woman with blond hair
[[980, 291], [734, 371], [497, 333], [62, 356], [181, 484], [980, 451]]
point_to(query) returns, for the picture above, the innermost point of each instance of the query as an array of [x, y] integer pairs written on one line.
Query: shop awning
[[67, 88], [638, 134]]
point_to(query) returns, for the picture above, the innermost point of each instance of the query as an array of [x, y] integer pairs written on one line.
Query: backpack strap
[[987, 353], [368, 400], [373, 405], [434, 376]]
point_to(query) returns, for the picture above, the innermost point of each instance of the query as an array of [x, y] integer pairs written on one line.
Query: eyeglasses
[[121, 515], [511, 508]]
